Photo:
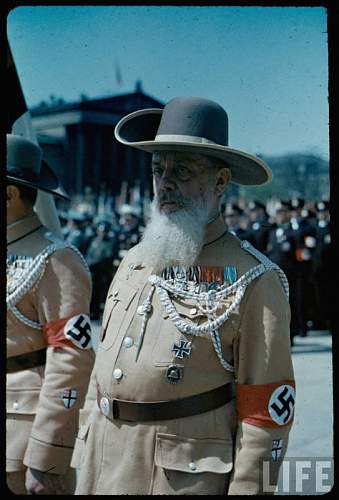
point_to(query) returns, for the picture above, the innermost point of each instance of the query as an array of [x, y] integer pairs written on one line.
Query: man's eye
[[183, 172], [157, 171]]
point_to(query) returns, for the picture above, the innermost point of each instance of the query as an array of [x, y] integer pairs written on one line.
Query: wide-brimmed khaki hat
[[191, 125], [26, 166]]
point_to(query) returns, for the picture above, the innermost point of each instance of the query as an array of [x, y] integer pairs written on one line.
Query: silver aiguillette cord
[[146, 307]]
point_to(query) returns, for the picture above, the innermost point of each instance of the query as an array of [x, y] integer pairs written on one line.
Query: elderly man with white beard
[[193, 389]]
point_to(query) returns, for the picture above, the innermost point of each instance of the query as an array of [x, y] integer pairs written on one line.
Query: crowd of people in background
[[292, 233]]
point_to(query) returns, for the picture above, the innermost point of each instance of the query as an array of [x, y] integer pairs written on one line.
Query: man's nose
[[167, 183]]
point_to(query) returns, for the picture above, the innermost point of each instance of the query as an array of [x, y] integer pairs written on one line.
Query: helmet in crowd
[[127, 209], [297, 203], [283, 205], [254, 205], [104, 226], [233, 209], [103, 218], [322, 206], [76, 216]]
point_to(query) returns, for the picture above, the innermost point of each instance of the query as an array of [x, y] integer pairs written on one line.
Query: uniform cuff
[[47, 457]]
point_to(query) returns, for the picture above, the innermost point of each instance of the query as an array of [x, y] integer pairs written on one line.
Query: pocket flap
[[188, 308], [193, 455]]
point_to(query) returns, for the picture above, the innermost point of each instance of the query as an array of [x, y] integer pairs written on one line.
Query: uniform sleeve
[[62, 301], [84, 422], [265, 387]]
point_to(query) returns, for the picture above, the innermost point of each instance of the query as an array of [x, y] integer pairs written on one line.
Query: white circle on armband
[[78, 330], [281, 404]]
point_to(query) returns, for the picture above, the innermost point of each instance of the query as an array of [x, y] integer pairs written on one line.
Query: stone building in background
[[78, 142]]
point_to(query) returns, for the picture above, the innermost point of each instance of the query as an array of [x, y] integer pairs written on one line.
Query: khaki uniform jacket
[[43, 402], [216, 452]]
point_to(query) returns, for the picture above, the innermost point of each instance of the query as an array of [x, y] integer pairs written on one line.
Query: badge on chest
[[182, 349], [174, 374]]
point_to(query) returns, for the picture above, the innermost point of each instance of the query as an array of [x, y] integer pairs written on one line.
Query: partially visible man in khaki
[[194, 380], [49, 347]]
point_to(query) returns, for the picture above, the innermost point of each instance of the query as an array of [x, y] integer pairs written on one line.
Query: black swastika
[[81, 330], [287, 405]]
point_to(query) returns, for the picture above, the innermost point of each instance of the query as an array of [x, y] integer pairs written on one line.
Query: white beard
[[176, 238]]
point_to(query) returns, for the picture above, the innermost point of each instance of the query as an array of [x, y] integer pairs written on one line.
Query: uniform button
[[15, 405], [104, 406], [193, 311], [192, 466], [116, 293], [128, 342], [140, 310], [117, 374]]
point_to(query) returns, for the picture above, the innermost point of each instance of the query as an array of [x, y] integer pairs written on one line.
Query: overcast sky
[[267, 66]]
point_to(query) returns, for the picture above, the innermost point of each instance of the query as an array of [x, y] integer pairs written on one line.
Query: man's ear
[[223, 178], [13, 194]]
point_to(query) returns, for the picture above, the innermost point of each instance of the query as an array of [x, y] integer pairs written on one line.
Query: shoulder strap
[[269, 265]]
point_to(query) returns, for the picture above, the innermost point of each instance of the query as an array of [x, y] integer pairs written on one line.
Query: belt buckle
[[115, 409]]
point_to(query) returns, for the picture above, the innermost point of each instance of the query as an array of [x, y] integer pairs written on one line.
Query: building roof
[[118, 104]]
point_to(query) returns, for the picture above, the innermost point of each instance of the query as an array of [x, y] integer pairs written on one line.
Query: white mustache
[[173, 198], [175, 238]]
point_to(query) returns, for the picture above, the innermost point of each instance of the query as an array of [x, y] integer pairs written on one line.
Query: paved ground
[[312, 431], [311, 434]]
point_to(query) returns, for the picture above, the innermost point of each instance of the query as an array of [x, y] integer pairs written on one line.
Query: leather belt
[[26, 361], [133, 411]]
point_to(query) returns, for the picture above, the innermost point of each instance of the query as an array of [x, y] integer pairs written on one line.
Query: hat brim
[[139, 130], [47, 182]]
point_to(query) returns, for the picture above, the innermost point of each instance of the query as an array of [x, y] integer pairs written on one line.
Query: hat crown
[[233, 209], [322, 205], [191, 125], [283, 205], [23, 155], [196, 117], [297, 203]]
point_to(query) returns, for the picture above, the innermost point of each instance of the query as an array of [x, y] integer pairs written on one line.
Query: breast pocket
[[117, 305], [191, 466], [169, 336]]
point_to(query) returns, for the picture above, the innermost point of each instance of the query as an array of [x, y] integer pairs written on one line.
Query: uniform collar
[[214, 230], [22, 227]]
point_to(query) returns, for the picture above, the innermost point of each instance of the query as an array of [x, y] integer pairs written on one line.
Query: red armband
[[71, 331], [266, 405]]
